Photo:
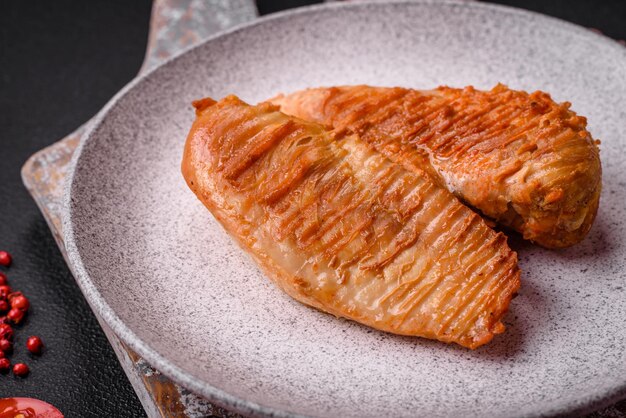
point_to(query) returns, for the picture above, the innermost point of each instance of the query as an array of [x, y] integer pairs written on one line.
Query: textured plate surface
[[157, 267]]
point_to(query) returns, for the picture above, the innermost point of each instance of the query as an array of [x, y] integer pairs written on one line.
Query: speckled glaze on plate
[[167, 279]]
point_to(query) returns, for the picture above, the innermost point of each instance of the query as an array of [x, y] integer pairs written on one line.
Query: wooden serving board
[[174, 26]]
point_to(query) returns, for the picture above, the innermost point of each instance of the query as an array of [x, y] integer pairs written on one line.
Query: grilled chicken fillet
[[340, 227], [521, 159]]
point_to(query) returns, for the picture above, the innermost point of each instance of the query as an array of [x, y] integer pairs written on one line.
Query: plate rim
[[98, 303]]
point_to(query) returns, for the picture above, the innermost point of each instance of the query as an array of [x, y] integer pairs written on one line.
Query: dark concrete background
[[60, 62]]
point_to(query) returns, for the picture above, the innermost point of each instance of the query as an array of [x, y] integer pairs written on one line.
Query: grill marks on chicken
[[521, 159], [342, 228]]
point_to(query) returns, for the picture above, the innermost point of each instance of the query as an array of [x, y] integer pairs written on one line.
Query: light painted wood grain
[[175, 25]]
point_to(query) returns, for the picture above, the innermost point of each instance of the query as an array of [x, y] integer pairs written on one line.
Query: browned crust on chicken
[[341, 228], [521, 159]]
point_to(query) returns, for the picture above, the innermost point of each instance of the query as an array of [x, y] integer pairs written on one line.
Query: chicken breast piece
[[521, 159], [341, 228]]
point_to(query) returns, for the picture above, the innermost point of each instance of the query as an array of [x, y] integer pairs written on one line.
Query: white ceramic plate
[[156, 266]]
